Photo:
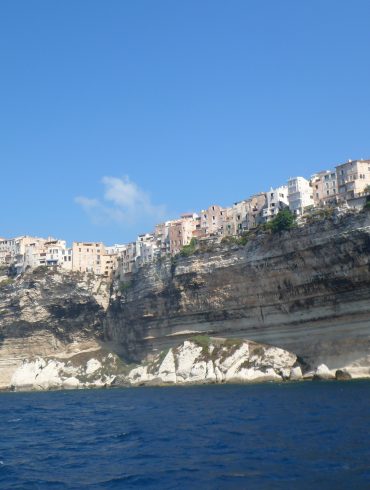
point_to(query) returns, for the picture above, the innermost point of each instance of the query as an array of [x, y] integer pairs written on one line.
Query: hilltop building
[[348, 183], [299, 195], [181, 232], [324, 187], [48, 253], [276, 200], [211, 220], [353, 177]]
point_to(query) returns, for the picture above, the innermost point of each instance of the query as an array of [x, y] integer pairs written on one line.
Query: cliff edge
[[306, 290]]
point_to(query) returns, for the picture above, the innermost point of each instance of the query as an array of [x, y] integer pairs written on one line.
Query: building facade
[[353, 177], [276, 200], [324, 188], [299, 195], [87, 257], [181, 232]]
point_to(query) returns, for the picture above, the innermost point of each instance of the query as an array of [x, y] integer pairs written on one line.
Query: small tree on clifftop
[[284, 220]]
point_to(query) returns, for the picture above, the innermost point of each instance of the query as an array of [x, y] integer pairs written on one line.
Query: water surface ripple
[[267, 436]]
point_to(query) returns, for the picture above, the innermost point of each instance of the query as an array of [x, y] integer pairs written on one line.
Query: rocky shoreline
[[200, 360], [304, 291]]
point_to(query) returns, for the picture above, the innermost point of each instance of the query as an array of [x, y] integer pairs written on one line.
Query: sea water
[[311, 435]]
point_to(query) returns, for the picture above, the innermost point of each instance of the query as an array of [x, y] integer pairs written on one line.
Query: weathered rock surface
[[76, 372], [295, 373], [215, 361], [342, 375], [305, 290], [47, 314], [323, 372]]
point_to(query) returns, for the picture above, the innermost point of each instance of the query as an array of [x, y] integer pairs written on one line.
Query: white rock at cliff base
[[295, 373], [323, 372], [216, 361]]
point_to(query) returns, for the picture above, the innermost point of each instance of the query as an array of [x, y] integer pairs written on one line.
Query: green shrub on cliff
[[6, 282], [235, 240], [202, 340], [367, 204], [123, 286], [284, 220], [189, 249]]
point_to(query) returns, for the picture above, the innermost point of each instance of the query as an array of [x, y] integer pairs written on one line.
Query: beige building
[[109, 264], [353, 177], [324, 187], [211, 220], [243, 215], [12, 251], [88, 257]]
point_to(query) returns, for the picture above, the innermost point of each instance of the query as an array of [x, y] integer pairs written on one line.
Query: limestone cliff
[[306, 290], [46, 313], [215, 360]]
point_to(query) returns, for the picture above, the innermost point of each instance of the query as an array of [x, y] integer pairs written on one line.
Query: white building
[[147, 249], [162, 235], [276, 200], [48, 253], [299, 195], [127, 259], [13, 251]]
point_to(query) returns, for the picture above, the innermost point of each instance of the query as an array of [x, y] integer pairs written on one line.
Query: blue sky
[[115, 115]]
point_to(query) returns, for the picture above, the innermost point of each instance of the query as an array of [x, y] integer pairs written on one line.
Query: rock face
[[323, 372], [306, 290], [213, 360], [47, 314], [45, 374]]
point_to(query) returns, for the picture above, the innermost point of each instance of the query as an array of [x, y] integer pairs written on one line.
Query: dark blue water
[[268, 436]]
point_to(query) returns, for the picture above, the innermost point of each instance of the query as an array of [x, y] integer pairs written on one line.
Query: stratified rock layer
[[46, 314], [305, 290]]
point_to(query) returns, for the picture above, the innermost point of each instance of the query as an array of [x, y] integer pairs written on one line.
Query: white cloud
[[123, 202]]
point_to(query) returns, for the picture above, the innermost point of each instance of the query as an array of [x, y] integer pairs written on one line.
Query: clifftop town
[[348, 185], [210, 315]]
